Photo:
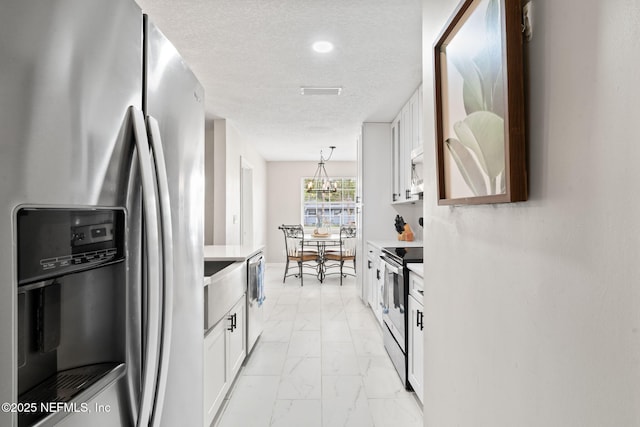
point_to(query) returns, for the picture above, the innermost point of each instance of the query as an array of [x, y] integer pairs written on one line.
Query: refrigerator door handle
[[167, 254], [152, 330]]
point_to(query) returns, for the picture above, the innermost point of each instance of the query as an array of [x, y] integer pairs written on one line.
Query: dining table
[[322, 242]]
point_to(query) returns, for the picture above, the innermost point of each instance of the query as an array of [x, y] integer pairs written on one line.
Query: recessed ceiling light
[[323, 46]]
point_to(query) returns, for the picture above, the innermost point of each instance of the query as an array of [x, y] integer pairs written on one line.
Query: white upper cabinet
[[406, 144], [406, 137], [396, 186], [415, 108]]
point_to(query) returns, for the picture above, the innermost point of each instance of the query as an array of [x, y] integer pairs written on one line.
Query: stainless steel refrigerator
[[101, 221]]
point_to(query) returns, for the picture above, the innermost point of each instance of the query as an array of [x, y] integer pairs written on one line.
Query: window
[[330, 209]]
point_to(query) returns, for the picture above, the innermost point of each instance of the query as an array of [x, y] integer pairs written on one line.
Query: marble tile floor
[[319, 362]]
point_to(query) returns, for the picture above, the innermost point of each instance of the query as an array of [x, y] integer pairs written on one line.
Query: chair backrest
[[348, 240], [293, 238]]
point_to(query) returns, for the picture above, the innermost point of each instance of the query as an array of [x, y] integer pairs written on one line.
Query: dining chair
[[347, 252], [297, 251]]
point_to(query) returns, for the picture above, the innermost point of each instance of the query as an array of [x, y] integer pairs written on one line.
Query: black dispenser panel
[[55, 242], [48, 318]]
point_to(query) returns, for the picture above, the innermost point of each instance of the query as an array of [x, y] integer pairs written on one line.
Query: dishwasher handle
[[255, 279]]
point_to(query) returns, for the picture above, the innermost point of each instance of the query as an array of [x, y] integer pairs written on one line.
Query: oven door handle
[[391, 267]]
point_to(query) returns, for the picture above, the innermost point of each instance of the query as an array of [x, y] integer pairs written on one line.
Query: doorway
[[246, 202]]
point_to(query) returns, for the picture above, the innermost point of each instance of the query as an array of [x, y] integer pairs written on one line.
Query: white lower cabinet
[[237, 332], [374, 281], [416, 346], [224, 352], [216, 380], [378, 285], [371, 277]]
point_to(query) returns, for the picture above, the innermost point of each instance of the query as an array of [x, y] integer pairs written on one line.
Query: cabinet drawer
[[416, 287]]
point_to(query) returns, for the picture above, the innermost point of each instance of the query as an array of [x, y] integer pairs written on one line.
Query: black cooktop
[[405, 255]]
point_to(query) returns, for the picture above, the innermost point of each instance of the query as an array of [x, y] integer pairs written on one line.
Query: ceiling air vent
[[320, 90]]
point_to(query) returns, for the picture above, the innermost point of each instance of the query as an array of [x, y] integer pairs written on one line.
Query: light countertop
[[231, 252], [394, 244], [417, 267]]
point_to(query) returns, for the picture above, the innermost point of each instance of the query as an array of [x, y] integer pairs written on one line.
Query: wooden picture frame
[[480, 105]]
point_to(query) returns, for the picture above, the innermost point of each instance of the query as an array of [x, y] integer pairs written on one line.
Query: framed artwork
[[480, 105]]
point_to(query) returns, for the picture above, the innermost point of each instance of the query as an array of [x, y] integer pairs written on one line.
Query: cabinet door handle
[[369, 264], [420, 291], [230, 328], [378, 274], [407, 194], [233, 318]]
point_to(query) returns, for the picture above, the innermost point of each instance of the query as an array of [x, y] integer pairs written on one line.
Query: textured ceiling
[[252, 56]]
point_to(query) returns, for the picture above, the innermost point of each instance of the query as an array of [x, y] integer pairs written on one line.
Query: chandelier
[[321, 183]]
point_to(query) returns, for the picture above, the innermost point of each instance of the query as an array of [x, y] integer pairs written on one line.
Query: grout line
[[328, 291]]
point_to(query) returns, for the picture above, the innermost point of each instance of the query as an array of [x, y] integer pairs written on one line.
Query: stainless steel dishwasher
[[255, 299]]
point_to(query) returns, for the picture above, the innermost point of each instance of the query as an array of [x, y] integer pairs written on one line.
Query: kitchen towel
[[261, 296], [397, 298]]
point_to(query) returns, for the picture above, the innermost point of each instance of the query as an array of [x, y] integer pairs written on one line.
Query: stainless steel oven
[[395, 296], [393, 315]]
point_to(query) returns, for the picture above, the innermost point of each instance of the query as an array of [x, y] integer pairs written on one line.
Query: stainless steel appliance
[[255, 298], [394, 304], [101, 160]]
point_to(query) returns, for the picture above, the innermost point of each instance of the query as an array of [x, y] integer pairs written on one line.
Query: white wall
[[284, 197], [532, 310], [209, 187], [220, 182], [230, 147]]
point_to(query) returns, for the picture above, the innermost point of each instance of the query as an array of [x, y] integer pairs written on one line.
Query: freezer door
[[175, 99], [69, 70]]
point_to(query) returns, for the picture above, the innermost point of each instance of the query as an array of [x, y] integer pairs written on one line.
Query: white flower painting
[[474, 105]]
